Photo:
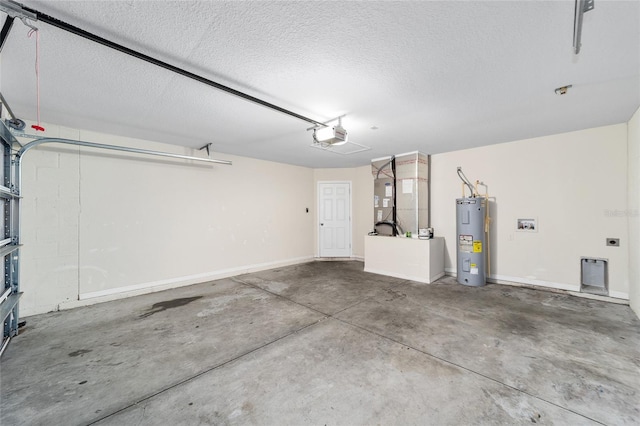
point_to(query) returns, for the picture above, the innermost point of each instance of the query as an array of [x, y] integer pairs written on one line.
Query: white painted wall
[[361, 201], [633, 212], [99, 223], [50, 218], [575, 184]]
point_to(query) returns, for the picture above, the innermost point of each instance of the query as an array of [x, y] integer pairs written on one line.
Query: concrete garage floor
[[326, 343]]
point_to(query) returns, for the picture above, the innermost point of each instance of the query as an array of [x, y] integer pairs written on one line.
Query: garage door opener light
[[334, 136]]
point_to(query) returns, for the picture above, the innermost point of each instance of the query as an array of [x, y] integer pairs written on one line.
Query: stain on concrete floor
[[169, 304]]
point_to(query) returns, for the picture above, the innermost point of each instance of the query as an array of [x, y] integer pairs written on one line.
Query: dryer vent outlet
[[594, 276]]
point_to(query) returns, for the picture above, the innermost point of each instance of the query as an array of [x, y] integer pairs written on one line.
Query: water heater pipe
[[487, 222], [464, 179]]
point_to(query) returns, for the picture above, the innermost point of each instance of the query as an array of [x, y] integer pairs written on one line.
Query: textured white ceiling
[[433, 76]]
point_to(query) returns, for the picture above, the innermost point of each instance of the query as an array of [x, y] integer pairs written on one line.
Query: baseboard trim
[[396, 275], [403, 276], [504, 279], [614, 296], [339, 259], [619, 295], [437, 277], [155, 286]]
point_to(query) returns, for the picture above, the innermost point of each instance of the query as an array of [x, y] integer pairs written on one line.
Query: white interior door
[[334, 235]]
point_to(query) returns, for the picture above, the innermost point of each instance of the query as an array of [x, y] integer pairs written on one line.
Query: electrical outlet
[[613, 242]]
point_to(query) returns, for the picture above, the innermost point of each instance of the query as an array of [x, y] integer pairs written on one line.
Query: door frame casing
[[318, 201]]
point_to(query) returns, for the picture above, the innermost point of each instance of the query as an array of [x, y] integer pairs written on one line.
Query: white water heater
[[471, 251]]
